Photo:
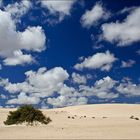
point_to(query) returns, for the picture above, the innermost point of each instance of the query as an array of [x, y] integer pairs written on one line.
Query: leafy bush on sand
[[26, 114]]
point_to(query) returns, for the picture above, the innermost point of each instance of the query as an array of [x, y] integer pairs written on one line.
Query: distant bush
[[132, 117], [26, 114], [136, 118]]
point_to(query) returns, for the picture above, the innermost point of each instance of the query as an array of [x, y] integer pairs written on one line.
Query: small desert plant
[[132, 117], [27, 114], [136, 118]]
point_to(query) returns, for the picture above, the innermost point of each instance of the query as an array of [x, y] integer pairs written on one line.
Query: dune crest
[[99, 121]]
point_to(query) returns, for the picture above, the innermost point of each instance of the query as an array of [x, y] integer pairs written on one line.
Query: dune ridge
[[98, 121]]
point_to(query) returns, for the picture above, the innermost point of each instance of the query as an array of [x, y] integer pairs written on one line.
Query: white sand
[[117, 125]]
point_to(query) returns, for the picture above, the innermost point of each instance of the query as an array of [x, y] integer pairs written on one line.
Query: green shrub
[[26, 114]]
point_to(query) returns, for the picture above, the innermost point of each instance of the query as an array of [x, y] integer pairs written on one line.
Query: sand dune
[[102, 121]]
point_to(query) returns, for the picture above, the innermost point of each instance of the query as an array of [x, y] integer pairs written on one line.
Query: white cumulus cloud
[[62, 101], [58, 8], [18, 9], [24, 99], [91, 17], [77, 78], [101, 61], [42, 83], [101, 89], [129, 89], [18, 58], [126, 32], [11, 40]]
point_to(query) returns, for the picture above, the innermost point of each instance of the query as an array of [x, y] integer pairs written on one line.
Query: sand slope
[[112, 121]]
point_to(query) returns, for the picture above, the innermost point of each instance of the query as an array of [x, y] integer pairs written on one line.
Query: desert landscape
[[69, 69], [98, 121]]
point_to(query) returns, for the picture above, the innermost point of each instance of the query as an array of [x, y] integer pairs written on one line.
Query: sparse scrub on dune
[[132, 117], [26, 114], [136, 118]]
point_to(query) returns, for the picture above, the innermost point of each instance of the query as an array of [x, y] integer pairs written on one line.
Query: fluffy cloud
[[129, 89], [24, 99], [77, 78], [101, 89], [124, 33], [18, 9], [50, 85], [11, 41], [127, 64], [18, 58], [42, 83], [62, 101], [69, 91], [46, 83], [59, 8], [101, 61], [106, 82], [33, 39], [91, 17]]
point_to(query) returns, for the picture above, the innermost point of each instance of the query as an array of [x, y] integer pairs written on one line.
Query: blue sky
[[60, 53]]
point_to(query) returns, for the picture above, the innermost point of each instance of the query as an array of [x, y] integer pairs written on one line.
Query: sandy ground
[[112, 121]]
